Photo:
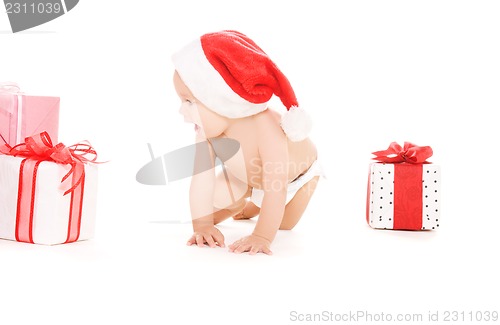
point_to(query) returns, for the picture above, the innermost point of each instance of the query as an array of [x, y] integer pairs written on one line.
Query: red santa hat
[[235, 78]]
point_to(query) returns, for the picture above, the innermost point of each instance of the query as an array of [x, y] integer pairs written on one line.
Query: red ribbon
[[410, 153], [39, 148], [407, 182], [408, 196]]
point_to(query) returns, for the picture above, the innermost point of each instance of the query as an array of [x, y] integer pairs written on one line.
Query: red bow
[[410, 153], [39, 147]]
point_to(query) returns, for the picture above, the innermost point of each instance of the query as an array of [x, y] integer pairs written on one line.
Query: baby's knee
[[223, 202], [237, 206], [286, 227]]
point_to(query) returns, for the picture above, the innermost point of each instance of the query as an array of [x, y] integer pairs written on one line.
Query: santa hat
[[235, 78]]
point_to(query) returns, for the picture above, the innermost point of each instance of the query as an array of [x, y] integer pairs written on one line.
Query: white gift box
[[404, 196], [50, 222]]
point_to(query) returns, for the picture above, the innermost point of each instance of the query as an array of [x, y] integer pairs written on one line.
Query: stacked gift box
[[48, 192]]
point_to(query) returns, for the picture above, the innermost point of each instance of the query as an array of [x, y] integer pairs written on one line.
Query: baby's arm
[[201, 194], [273, 150]]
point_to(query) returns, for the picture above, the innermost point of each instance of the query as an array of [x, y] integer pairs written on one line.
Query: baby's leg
[[249, 211], [296, 207], [229, 197], [223, 214]]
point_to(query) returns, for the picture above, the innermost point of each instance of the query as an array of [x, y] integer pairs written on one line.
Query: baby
[[224, 81]]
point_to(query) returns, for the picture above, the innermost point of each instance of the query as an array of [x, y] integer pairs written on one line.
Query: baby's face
[[207, 124]]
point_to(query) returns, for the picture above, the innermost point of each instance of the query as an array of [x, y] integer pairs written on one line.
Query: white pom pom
[[296, 123]]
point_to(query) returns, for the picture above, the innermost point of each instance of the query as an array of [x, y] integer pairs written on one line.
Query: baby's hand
[[252, 244], [207, 235]]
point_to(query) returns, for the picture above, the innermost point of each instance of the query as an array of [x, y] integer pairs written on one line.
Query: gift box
[[48, 194], [23, 115], [403, 189]]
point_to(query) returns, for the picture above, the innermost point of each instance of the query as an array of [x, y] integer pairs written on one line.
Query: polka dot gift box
[[403, 189]]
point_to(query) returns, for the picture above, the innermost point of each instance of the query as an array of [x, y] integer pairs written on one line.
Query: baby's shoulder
[[268, 128]]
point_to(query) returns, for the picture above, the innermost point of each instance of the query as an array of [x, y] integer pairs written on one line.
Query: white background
[[369, 72]]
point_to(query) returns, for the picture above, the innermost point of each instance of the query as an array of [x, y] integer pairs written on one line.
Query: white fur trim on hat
[[296, 123], [208, 86]]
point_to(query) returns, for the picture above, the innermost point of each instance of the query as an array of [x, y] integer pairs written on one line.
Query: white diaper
[[313, 171]]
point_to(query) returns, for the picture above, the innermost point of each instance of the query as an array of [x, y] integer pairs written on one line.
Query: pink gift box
[[23, 115]]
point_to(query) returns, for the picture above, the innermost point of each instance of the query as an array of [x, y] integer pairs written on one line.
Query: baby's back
[[300, 154]]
